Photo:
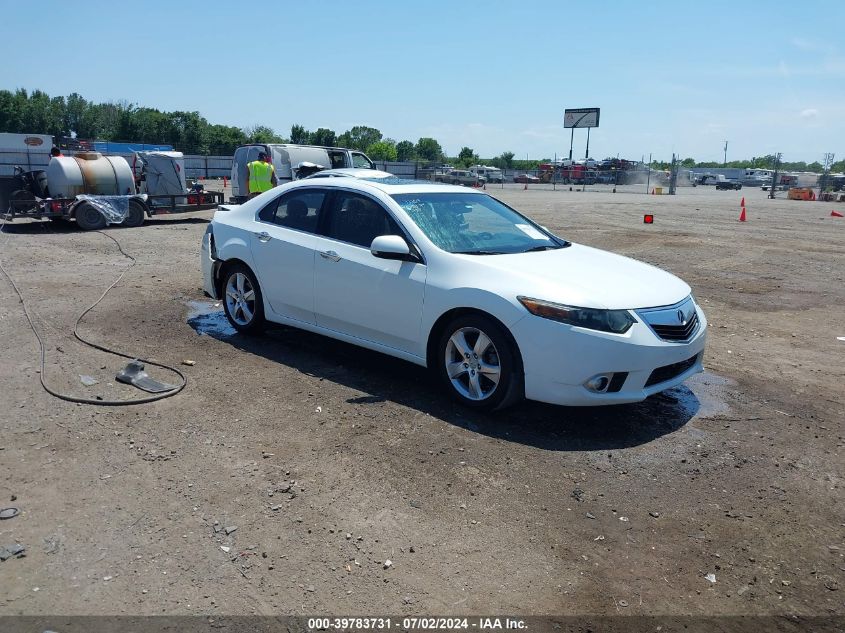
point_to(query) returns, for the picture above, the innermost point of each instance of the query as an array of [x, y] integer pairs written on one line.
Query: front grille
[[677, 332], [668, 372]]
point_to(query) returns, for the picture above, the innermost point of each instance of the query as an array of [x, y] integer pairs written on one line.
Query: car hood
[[581, 276]]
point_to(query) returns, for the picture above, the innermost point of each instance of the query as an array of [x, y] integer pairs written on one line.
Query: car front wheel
[[242, 300], [477, 364]]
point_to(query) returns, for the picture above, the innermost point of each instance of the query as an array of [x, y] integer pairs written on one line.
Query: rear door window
[[299, 209]]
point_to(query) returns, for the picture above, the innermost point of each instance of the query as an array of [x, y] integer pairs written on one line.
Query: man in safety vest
[[261, 175]]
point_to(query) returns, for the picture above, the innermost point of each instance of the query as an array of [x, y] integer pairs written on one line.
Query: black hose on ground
[[97, 346]]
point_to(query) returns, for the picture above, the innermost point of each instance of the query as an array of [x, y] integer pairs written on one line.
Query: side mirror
[[392, 247]]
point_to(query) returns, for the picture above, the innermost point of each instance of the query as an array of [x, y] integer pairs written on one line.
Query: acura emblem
[[681, 317]]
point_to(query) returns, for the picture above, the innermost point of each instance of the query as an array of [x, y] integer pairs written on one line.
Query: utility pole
[[775, 177], [725, 164], [828, 161]]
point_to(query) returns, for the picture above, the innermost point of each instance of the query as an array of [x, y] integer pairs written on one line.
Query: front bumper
[[558, 359]]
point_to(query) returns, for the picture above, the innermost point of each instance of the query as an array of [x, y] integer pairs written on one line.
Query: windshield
[[474, 223]]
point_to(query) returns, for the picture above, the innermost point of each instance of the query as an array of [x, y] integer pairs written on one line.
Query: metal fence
[[218, 167]]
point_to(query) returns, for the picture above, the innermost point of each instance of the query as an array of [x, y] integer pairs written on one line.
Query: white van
[[490, 174], [292, 162]]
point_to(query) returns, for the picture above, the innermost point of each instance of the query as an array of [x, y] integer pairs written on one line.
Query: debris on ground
[[710, 577], [88, 381], [8, 513], [229, 529], [388, 564], [17, 550], [189, 363]]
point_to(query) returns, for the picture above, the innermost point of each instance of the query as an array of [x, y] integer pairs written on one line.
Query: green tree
[[262, 134], [359, 137], [467, 157], [299, 135], [383, 150], [404, 151], [815, 166], [688, 162], [323, 136], [507, 159], [428, 149]]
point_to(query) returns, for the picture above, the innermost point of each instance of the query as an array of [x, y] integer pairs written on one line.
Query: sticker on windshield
[[531, 232]]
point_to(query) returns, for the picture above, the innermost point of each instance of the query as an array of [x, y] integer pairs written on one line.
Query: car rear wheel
[[477, 364], [242, 300]]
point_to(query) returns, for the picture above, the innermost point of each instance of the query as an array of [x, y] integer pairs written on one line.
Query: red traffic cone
[[652, 192], [742, 215], [742, 202], [836, 214]]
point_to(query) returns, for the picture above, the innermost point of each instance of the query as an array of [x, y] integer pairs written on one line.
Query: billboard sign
[[581, 117]]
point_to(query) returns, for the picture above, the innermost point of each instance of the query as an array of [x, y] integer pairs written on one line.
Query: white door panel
[[284, 265], [361, 295]]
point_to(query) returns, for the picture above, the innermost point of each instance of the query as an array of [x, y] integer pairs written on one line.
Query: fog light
[[598, 383]]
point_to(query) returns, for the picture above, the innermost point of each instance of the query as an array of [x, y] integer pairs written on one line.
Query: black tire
[[89, 218], [135, 216], [509, 387], [237, 315]]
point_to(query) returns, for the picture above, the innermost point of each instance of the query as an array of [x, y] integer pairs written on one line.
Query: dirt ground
[[331, 460]]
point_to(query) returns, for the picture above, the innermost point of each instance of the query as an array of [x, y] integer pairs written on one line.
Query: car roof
[[352, 172], [389, 186]]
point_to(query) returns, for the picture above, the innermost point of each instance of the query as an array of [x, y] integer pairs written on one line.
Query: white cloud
[[809, 114]]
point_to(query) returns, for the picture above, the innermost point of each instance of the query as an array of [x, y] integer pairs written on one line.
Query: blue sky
[[496, 76]]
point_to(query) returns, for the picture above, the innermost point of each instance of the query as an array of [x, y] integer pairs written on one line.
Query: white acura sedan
[[453, 279]]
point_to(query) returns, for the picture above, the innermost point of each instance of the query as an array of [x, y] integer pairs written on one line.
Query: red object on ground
[[648, 218], [742, 215], [742, 202], [836, 214], [652, 192]]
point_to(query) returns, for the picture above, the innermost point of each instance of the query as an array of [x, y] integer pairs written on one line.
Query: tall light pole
[[725, 164]]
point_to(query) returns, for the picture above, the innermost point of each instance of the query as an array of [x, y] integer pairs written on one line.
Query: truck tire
[[135, 216], [89, 218]]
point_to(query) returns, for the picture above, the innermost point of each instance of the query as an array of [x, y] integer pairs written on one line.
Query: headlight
[[616, 321]]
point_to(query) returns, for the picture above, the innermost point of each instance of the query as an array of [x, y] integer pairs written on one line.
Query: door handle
[[263, 236], [330, 255]]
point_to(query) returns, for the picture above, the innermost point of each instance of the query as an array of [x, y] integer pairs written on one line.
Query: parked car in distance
[[725, 183], [464, 177], [450, 278], [526, 178]]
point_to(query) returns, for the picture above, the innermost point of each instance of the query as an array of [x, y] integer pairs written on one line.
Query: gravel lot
[[331, 460]]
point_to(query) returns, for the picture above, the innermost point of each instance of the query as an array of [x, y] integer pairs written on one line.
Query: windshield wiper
[[544, 247], [478, 253]]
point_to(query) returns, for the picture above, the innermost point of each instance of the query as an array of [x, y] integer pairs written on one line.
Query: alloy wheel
[[472, 364]]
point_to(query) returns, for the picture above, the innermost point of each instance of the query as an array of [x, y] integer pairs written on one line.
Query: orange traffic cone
[[224, 182], [742, 215], [836, 214], [742, 202]]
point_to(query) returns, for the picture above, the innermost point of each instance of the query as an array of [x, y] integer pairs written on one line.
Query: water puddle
[[702, 395], [207, 317]]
